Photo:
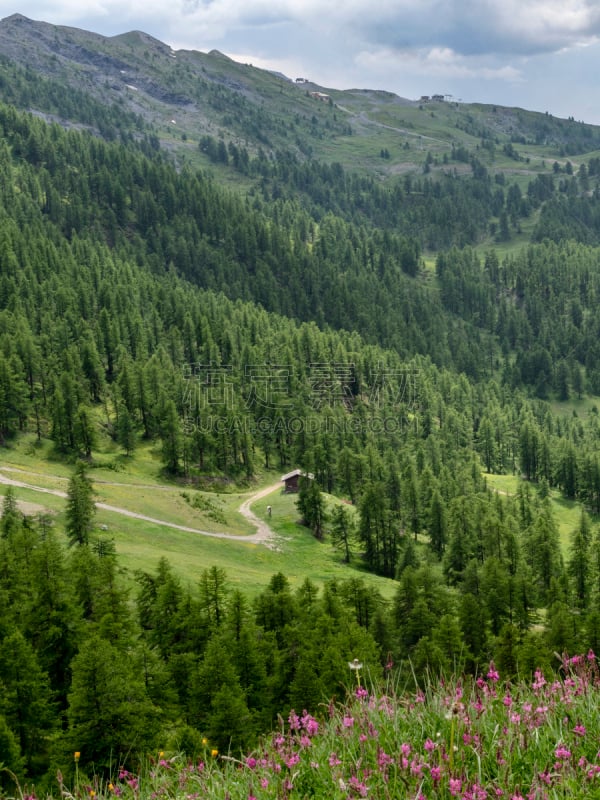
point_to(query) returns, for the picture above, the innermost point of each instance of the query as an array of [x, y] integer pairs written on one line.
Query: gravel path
[[264, 534]]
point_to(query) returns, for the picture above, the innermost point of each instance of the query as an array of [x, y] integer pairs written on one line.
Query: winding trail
[[264, 534]]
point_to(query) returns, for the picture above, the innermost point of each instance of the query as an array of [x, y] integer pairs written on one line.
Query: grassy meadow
[[136, 484], [567, 513]]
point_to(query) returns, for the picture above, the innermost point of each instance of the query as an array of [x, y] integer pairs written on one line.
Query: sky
[[542, 55]]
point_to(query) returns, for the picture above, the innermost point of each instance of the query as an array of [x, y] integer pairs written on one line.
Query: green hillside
[[396, 298]]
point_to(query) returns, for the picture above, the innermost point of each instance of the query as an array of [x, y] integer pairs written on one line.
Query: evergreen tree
[[80, 507], [579, 563], [437, 524], [343, 530], [26, 701], [84, 431], [126, 434], [10, 757], [171, 438], [311, 506], [110, 714], [52, 618], [213, 596], [12, 518]]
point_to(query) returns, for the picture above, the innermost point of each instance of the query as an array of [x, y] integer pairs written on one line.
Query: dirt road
[[264, 534]]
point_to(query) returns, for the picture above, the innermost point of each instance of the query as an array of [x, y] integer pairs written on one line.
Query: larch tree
[[80, 507]]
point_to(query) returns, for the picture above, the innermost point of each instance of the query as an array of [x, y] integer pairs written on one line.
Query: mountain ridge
[[186, 94]]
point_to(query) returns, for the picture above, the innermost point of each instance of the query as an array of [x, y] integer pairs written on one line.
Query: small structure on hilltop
[[291, 481]]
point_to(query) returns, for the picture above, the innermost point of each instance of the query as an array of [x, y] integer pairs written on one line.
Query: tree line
[[114, 673]]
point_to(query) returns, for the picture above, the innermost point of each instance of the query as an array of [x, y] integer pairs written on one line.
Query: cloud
[[470, 27], [519, 27], [467, 27], [436, 62]]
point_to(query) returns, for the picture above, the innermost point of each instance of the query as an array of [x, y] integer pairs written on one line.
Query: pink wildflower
[[539, 681], [294, 721], [454, 786], [358, 786], [579, 730], [373, 732], [383, 759], [310, 724], [334, 761], [429, 745], [348, 722], [416, 768], [477, 792], [493, 675]]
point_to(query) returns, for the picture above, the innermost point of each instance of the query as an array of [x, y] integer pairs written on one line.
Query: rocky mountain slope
[[185, 95]]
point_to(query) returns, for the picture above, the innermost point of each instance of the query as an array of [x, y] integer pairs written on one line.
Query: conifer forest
[[218, 307]]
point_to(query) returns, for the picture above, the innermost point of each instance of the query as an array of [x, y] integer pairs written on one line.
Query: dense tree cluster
[[139, 300], [87, 666]]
